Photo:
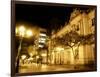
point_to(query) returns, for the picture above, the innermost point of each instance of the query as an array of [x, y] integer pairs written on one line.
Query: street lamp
[[21, 31]]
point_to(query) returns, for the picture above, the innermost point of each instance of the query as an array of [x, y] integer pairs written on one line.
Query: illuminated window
[[42, 34]]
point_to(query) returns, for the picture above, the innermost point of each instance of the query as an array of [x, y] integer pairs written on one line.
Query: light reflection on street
[[29, 68]]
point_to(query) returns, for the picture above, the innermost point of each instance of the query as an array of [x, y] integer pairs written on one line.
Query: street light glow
[[29, 33], [16, 31], [22, 31], [23, 57]]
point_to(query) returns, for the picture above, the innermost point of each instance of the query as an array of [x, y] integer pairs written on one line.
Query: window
[[77, 28], [93, 21]]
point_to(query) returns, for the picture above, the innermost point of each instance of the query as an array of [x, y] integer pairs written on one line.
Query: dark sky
[[44, 16]]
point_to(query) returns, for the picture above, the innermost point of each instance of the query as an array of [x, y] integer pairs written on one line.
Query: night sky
[[49, 17], [44, 16]]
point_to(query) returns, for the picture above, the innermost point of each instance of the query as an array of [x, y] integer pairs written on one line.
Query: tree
[[89, 39], [73, 39]]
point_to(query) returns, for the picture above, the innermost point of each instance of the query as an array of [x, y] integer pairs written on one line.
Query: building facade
[[83, 22]]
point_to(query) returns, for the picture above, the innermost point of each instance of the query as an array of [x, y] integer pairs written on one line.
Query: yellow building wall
[[86, 52]]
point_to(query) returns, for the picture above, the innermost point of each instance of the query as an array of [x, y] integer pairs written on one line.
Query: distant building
[[41, 45]]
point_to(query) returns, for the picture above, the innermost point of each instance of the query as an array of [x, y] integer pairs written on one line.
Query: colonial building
[[83, 22]]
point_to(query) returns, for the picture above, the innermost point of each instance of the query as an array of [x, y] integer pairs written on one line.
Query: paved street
[[26, 68]]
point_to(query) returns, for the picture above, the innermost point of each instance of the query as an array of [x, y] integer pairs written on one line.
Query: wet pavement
[[28, 68]]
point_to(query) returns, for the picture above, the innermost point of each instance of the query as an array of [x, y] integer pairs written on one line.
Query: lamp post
[[22, 32]]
